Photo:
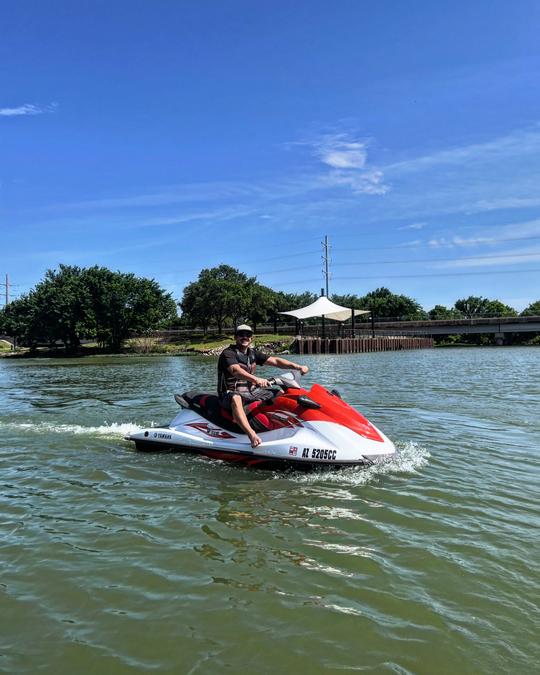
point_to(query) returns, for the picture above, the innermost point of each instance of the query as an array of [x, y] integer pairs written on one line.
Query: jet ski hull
[[316, 444]]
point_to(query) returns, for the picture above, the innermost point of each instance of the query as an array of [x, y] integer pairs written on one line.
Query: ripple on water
[[427, 563]]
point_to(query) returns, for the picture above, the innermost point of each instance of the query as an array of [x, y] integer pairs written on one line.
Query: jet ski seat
[[207, 405]]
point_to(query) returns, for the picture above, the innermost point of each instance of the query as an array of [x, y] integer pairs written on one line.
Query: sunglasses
[[243, 334]]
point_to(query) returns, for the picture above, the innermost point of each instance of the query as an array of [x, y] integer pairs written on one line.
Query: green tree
[[387, 305], [62, 306], [350, 301], [472, 306], [262, 304], [220, 293], [71, 303], [122, 304], [440, 312], [532, 310], [19, 320], [193, 306], [498, 308], [55, 310], [477, 306]]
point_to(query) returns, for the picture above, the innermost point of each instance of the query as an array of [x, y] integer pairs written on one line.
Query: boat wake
[[409, 456], [111, 430]]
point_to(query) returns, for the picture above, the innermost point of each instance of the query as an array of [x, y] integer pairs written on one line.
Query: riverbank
[[151, 346], [212, 346]]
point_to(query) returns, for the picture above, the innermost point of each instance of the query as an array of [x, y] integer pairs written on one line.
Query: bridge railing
[[381, 326]]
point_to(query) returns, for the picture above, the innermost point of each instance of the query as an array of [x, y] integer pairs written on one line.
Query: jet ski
[[298, 428]]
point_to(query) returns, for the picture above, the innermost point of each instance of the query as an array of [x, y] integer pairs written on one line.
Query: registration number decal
[[319, 453]]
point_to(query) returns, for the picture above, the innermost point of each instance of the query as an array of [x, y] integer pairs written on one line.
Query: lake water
[[114, 561]]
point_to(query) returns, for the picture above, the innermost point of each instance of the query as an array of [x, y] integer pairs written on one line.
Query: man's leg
[[237, 409]]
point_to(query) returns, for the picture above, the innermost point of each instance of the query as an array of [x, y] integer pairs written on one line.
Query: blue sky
[[163, 137]]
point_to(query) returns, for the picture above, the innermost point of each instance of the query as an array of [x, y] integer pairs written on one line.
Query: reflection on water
[[428, 563]]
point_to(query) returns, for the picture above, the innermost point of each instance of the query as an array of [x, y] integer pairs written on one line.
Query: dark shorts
[[248, 396]]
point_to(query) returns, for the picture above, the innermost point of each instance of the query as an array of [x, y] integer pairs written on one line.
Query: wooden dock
[[357, 345]]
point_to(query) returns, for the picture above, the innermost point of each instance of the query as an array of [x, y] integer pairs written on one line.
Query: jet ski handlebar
[[287, 381]]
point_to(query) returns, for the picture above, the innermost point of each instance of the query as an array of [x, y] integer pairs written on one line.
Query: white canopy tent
[[325, 308]]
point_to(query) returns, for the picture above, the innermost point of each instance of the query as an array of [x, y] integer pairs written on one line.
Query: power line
[[288, 269], [402, 262], [396, 247], [256, 261], [395, 276], [436, 260], [436, 229], [439, 274], [280, 257], [428, 245], [411, 276], [367, 248]]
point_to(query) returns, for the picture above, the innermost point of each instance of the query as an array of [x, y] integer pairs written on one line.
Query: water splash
[[409, 458], [114, 429]]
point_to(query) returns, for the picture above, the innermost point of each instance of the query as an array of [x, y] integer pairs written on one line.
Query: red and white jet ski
[[298, 428]]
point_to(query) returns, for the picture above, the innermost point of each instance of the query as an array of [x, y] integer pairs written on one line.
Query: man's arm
[[278, 362]]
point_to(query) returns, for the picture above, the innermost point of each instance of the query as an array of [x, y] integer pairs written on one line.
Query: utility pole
[[326, 260], [6, 285]]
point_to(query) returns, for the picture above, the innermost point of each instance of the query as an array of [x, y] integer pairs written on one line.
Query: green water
[[114, 561]]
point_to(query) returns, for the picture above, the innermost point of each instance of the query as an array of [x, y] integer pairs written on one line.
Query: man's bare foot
[[255, 441]]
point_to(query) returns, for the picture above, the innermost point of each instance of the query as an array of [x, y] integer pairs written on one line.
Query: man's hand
[[261, 382], [303, 369]]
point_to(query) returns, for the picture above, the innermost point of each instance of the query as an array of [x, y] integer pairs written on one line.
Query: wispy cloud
[[364, 182], [340, 152], [520, 256], [497, 234], [28, 109], [503, 245], [167, 196], [453, 242], [209, 217], [340, 171], [347, 158], [184, 222], [496, 204], [518, 143], [500, 174], [413, 226]]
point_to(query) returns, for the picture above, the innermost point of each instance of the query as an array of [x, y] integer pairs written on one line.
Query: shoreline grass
[[151, 346]]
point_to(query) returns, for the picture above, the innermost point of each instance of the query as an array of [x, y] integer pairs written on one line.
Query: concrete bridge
[[502, 326]]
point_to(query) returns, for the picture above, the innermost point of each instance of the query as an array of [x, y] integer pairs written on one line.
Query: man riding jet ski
[[237, 383], [298, 428]]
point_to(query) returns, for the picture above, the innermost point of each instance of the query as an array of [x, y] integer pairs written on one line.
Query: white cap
[[243, 326]]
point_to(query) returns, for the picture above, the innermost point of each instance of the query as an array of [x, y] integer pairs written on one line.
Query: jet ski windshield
[[289, 380]]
